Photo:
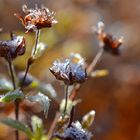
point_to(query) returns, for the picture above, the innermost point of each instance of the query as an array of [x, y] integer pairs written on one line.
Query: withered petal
[[69, 70]]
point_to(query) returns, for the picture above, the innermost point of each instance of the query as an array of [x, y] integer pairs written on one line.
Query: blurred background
[[116, 97]]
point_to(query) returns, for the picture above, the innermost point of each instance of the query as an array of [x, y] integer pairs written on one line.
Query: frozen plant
[[72, 70]]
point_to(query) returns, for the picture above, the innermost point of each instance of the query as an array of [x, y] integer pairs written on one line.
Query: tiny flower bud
[[63, 120], [99, 73], [88, 119]]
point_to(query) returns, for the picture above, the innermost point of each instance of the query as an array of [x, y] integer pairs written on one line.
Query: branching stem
[[36, 41], [33, 53]]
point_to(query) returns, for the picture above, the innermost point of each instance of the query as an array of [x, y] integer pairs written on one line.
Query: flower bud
[[12, 48], [88, 119]]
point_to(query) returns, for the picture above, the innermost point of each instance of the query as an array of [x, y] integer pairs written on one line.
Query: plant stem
[[33, 53], [26, 72], [71, 116], [95, 61], [12, 72], [66, 100], [11, 69], [53, 125], [36, 41], [17, 117]]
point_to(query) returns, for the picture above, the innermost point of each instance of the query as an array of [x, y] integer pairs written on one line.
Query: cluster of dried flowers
[[37, 18], [72, 71]]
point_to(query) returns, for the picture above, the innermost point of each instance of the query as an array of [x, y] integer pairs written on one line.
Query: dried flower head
[[75, 132], [37, 18], [109, 43], [70, 70], [12, 48]]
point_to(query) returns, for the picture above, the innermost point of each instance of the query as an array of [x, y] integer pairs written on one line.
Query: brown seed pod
[[109, 43], [12, 48]]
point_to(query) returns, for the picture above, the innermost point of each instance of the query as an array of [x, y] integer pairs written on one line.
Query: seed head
[[109, 43], [37, 18]]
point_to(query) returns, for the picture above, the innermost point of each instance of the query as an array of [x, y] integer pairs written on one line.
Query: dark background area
[[116, 97]]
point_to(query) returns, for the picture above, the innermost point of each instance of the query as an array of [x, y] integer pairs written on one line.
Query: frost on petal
[[75, 132], [70, 70]]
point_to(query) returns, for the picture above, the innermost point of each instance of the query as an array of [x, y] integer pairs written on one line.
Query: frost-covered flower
[[109, 43], [37, 18], [76, 132], [12, 48], [70, 70]]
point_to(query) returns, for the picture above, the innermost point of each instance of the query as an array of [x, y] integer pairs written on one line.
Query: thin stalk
[[11, 69], [66, 100], [26, 72], [17, 117], [12, 72], [36, 41], [71, 116], [33, 53], [95, 61], [53, 125]]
